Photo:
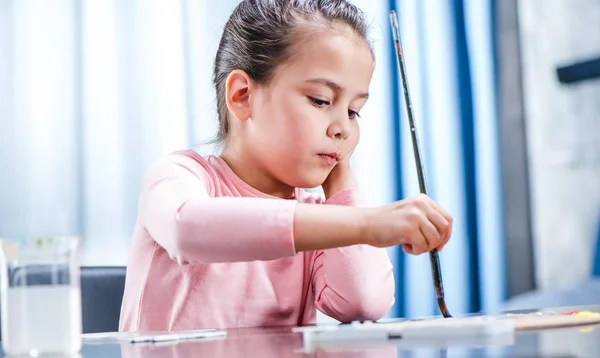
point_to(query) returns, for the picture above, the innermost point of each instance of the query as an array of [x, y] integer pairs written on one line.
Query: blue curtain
[[448, 47]]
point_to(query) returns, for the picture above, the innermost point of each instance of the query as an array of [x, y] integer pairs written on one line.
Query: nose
[[339, 129]]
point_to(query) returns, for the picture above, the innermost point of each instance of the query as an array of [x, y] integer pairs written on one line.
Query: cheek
[[283, 132], [293, 126], [301, 124], [354, 137]]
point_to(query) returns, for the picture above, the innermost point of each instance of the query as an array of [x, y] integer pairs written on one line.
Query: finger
[[439, 223], [445, 226], [420, 243], [447, 237], [433, 238], [442, 211], [435, 213]]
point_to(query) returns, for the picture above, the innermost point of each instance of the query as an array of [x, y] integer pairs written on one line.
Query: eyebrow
[[334, 86]]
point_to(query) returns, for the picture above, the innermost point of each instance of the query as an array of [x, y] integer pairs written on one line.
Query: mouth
[[330, 158]]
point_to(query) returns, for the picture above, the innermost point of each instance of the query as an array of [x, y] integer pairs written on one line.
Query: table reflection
[[266, 343], [282, 342]]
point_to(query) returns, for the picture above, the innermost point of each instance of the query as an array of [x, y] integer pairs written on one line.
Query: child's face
[[308, 109]]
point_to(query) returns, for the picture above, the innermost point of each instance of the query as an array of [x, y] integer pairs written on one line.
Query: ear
[[237, 94]]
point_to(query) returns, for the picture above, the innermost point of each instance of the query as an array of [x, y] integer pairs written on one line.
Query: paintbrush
[[433, 254]]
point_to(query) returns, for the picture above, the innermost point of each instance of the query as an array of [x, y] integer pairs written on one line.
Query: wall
[[563, 136]]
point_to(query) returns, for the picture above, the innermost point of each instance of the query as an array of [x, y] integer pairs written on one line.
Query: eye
[[353, 114], [319, 102]]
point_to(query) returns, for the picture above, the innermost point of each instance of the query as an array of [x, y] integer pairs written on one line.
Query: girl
[[232, 241]]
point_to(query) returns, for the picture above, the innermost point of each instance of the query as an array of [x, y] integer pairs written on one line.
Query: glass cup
[[40, 296]]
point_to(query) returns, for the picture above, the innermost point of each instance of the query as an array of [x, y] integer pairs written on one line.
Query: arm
[[192, 226], [355, 282]]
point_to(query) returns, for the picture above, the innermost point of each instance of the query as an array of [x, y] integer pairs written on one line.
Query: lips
[[330, 158]]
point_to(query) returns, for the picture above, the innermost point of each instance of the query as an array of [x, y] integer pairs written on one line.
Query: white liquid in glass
[[41, 319]]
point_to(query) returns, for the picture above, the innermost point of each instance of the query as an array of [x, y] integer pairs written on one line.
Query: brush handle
[[434, 259], [406, 91]]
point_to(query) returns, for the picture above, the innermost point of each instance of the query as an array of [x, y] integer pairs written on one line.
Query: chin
[[308, 182]]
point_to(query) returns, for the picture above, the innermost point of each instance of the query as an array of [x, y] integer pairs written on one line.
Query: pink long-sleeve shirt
[[210, 251]]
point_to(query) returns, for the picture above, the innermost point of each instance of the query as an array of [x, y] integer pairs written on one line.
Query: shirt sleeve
[[354, 282], [194, 227]]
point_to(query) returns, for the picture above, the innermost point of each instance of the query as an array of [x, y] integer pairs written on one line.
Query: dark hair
[[259, 33]]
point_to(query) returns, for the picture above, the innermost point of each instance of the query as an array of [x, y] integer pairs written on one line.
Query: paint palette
[[546, 320], [417, 329], [448, 328]]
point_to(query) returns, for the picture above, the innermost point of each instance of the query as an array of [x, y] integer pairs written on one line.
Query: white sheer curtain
[[92, 92]]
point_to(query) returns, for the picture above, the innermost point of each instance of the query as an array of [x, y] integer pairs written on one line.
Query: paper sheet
[[157, 336]]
